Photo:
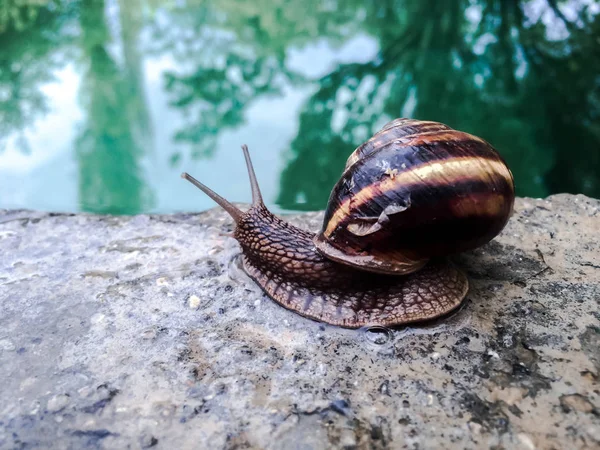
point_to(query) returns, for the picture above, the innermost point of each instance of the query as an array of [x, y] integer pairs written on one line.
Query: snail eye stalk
[[256, 195], [234, 212]]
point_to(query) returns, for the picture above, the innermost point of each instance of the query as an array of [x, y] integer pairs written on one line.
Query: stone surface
[[142, 332]]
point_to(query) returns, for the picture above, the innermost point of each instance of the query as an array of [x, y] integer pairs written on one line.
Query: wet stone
[[143, 332]]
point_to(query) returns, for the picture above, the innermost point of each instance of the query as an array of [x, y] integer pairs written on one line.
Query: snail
[[414, 193]]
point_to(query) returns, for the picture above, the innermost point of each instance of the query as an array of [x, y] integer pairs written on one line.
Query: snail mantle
[[144, 332]]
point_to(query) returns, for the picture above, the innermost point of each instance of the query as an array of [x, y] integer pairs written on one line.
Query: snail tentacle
[[256, 195], [233, 211]]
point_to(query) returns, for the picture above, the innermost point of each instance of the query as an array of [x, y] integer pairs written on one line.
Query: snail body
[[367, 267]]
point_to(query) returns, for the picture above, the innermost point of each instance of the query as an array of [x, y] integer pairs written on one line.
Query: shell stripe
[[447, 172], [418, 138]]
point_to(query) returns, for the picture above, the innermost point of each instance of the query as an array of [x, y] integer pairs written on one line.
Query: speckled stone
[[143, 332]]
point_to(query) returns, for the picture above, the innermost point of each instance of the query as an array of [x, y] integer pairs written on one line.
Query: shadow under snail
[[412, 194]]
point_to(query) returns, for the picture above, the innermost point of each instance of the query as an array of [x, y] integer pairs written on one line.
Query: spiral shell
[[414, 191]]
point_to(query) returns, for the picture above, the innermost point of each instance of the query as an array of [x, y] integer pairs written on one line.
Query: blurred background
[[104, 102]]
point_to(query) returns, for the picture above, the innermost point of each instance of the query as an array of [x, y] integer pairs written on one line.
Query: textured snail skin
[[283, 260], [414, 191]]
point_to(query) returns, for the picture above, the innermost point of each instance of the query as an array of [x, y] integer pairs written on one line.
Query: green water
[[104, 102]]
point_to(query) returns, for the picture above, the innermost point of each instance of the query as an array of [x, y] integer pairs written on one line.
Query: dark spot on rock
[[544, 339], [246, 350], [519, 369], [133, 266], [196, 374], [110, 393], [502, 263], [93, 437], [589, 374], [482, 371], [489, 415], [185, 354], [590, 344], [340, 406], [213, 267], [148, 441], [384, 388], [376, 433], [516, 362], [515, 410], [568, 292]]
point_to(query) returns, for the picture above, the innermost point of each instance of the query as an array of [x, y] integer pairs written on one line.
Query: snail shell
[[414, 191]]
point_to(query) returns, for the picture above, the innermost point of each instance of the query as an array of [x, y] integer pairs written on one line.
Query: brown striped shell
[[415, 190]]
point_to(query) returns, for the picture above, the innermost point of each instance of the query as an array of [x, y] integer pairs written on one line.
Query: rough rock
[[139, 332]]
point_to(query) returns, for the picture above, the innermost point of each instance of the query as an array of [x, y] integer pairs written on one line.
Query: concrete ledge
[[138, 332]]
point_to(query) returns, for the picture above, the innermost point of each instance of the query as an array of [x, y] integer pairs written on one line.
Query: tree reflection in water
[[110, 145], [521, 74]]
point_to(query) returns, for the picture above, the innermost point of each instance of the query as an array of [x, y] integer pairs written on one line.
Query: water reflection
[[522, 74], [28, 36], [116, 129], [484, 67]]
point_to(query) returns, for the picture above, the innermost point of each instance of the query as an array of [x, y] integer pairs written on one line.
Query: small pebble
[[526, 441], [27, 382], [474, 427], [85, 391], [149, 334], [162, 281], [194, 301], [58, 402], [97, 318], [493, 354], [148, 441], [7, 345], [594, 433]]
